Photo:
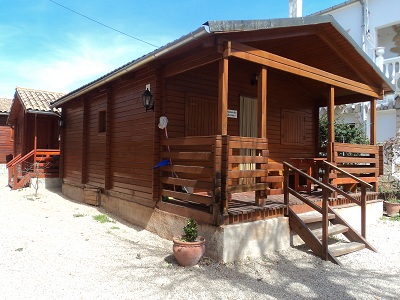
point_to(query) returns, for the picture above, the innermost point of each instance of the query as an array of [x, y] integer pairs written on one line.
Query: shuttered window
[[293, 130], [200, 116]]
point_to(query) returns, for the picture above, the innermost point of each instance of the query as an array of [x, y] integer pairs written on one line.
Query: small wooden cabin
[[6, 133], [36, 136], [242, 100]]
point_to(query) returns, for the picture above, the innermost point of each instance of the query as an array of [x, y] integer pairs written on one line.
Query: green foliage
[[102, 219], [190, 230], [344, 132], [395, 218]]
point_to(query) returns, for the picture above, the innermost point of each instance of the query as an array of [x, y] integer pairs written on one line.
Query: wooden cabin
[[6, 134], [36, 136], [241, 142]]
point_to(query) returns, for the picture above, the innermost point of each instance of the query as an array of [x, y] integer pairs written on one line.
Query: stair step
[[345, 248], [314, 217], [332, 230]]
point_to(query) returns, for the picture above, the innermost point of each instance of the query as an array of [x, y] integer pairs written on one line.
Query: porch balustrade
[[205, 170]]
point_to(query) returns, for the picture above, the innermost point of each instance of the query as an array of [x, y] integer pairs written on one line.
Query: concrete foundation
[[46, 183], [225, 243]]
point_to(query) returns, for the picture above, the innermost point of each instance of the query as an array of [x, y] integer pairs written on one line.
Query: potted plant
[[189, 248]]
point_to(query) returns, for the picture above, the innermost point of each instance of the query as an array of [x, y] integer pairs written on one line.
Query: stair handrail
[[326, 191], [11, 162], [362, 203], [22, 159]]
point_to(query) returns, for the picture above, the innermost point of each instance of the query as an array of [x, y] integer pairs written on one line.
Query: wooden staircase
[[301, 224], [326, 222], [41, 163]]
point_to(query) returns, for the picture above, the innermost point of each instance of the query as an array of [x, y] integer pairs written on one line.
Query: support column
[[331, 123], [261, 196], [373, 122], [223, 97], [84, 141]]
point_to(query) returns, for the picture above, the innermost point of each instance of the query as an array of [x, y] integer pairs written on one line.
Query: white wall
[[385, 124], [382, 13]]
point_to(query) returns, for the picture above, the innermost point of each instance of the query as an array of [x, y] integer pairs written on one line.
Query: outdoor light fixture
[[254, 79], [61, 123], [148, 101]]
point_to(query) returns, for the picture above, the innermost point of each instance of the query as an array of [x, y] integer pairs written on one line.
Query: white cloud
[[63, 69]]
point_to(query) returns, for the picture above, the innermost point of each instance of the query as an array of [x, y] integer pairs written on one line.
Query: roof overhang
[[218, 28]]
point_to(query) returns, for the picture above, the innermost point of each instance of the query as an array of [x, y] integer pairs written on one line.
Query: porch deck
[[242, 207]]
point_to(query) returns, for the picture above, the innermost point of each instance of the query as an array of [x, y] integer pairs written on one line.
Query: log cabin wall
[[19, 130], [130, 132], [290, 125], [72, 142], [6, 139]]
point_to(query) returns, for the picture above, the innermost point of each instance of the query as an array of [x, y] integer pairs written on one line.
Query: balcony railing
[[391, 69]]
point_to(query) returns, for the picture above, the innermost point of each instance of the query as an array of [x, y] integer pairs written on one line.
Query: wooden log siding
[[6, 144], [73, 141]]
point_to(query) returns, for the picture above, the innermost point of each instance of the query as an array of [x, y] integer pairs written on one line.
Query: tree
[[344, 132]]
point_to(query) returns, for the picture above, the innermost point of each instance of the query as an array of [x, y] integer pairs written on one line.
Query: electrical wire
[[102, 24]]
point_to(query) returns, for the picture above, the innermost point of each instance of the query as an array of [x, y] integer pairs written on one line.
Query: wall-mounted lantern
[[148, 101], [61, 123], [254, 79]]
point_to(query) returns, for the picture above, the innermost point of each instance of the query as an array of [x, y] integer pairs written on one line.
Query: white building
[[375, 27]]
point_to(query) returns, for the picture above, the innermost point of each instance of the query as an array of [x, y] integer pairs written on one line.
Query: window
[[102, 121], [293, 131]]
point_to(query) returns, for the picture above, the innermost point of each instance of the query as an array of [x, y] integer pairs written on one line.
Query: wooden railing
[[362, 161], [362, 203], [247, 166], [44, 164], [193, 177], [318, 247], [204, 171]]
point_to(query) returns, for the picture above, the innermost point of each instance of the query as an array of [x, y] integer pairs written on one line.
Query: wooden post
[[373, 122], [262, 130], [286, 189], [363, 211], [331, 119], [217, 151], [325, 220], [35, 146], [224, 175], [223, 97]]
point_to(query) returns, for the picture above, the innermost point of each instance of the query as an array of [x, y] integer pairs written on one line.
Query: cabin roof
[[5, 105], [37, 100], [292, 38]]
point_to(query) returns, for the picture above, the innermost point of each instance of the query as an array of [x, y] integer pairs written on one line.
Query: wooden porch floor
[[242, 207]]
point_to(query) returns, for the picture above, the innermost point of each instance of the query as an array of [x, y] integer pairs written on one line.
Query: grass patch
[[395, 218], [78, 215], [103, 219]]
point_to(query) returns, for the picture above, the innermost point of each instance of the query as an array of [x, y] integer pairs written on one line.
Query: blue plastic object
[[164, 162]]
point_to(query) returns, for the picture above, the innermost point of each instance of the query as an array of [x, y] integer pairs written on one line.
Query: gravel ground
[[52, 248]]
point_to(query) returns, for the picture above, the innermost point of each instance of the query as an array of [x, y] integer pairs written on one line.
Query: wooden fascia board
[[191, 62], [278, 62]]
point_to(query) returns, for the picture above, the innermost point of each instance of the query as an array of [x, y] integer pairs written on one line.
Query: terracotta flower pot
[[188, 253], [392, 209]]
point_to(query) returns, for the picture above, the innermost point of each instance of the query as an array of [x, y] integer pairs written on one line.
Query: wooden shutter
[[200, 116], [293, 131]]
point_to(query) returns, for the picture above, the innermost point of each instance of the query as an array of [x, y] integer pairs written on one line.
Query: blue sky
[[45, 46]]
